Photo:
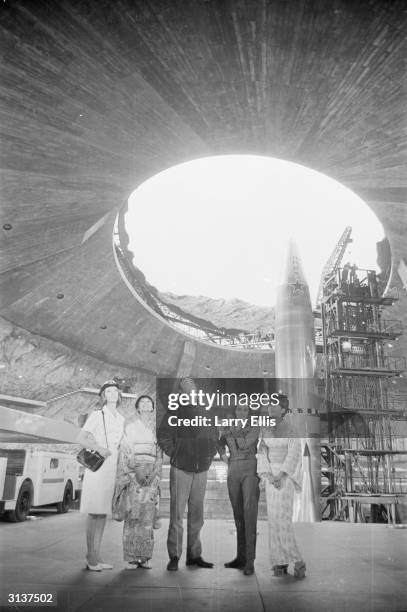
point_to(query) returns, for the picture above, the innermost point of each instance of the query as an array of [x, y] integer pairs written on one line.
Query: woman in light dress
[[279, 467], [137, 481], [106, 426]]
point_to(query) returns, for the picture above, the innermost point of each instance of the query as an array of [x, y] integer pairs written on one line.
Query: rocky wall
[[33, 367]]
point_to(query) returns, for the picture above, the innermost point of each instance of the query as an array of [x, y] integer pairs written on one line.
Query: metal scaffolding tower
[[334, 261], [359, 449]]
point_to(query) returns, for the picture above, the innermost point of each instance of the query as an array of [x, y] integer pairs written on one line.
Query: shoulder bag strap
[[104, 427]]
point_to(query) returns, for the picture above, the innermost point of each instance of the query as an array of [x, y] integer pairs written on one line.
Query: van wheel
[[64, 505], [23, 505]]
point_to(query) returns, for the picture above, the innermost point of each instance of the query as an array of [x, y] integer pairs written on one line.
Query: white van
[[36, 478]]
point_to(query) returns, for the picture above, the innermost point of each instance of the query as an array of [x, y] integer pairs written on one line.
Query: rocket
[[295, 358]]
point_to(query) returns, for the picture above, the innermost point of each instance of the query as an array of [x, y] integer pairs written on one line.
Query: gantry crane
[[334, 261]]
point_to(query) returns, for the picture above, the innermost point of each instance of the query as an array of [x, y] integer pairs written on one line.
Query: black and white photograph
[[203, 305]]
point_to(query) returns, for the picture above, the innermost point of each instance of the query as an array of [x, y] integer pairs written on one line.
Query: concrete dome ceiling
[[99, 96]]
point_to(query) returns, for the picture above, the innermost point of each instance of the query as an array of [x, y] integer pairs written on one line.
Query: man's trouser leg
[[195, 514], [251, 494], [236, 499], [180, 486]]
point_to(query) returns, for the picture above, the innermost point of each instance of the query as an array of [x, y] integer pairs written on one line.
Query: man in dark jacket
[[191, 450]]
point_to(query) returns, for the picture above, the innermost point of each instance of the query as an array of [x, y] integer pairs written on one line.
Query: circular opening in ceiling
[[217, 228]]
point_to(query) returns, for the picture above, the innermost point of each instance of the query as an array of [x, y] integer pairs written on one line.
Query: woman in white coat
[[106, 427]]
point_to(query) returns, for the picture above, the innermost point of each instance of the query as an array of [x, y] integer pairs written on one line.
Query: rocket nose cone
[[293, 270]]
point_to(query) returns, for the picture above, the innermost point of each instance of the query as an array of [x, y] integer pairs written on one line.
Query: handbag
[[92, 459], [120, 504]]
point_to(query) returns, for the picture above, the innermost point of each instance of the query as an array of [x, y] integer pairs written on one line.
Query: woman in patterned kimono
[[137, 480], [279, 467]]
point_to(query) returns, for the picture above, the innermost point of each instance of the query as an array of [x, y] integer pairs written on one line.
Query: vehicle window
[[54, 463]]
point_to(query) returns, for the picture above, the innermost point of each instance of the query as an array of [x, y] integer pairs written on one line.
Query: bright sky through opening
[[219, 226]]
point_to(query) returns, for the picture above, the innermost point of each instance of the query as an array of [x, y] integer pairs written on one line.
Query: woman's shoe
[[279, 570], [131, 566], [93, 568], [145, 564], [105, 566], [299, 569]]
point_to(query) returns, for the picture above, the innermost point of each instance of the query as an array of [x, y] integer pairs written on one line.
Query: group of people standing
[[127, 484]]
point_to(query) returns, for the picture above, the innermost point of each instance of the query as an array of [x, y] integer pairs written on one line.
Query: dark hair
[[284, 403], [143, 397]]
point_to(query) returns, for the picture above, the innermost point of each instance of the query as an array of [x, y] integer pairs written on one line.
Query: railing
[[398, 404], [261, 341], [369, 361], [363, 320], [357, 283], [353, 406]]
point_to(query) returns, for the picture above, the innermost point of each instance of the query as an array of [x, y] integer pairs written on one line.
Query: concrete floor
[[351, 567]]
